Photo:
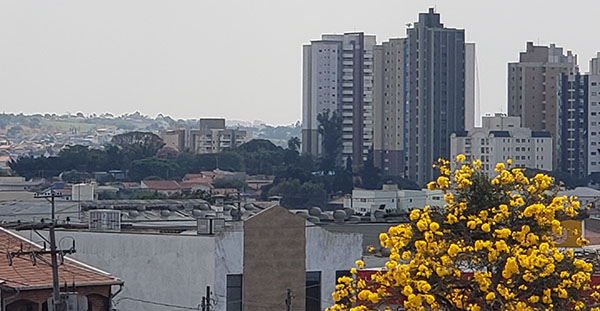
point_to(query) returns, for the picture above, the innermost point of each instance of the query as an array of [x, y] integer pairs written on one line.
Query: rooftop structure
[[27, 280]]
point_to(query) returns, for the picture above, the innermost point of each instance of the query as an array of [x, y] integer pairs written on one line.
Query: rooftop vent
[[105, 220], [209, 226]]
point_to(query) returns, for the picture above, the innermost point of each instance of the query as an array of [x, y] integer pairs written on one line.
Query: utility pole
[[55, 281], [208, 298], [288, 300]]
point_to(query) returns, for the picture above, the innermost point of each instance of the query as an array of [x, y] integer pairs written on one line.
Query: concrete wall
[[274, 260], [229, 259], [329, 252], [172, 269]]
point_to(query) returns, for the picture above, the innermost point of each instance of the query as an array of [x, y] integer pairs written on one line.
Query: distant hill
[[19, 125]]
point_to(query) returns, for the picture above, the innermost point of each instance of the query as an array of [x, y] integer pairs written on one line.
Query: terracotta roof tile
[[161, 184], [23, 274]]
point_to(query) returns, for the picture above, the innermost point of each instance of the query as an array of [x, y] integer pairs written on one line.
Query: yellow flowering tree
[[490, 247]]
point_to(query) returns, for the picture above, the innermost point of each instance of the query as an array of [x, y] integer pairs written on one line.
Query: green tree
[[294, 143], [163, 168], [138, 144], [330, 128], [370, 176], [300, 195]]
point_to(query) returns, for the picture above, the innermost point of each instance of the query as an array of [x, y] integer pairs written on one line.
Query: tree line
[[302, 180]]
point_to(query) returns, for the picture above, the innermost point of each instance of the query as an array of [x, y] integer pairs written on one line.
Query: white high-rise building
[[338, 76], [471, 108], [501, 138]]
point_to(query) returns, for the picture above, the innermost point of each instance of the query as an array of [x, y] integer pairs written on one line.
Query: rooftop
[[161, 184], [25, 275]]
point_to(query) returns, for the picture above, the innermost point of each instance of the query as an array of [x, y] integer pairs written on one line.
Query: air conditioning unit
[[105, 220], [208, 226], [71, 302]]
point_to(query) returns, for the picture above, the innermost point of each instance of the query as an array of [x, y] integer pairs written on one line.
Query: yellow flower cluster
[[490, 248]]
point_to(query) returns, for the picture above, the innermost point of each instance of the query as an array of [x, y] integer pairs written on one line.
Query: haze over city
[[238, 60]]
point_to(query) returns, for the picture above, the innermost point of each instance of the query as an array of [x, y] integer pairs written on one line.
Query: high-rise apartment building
[[532, 87], [578, 133], [572, 124], [501, 138], [435, 93], [471, 105], [338, 76], [593, 117], [389, 106], [396, 95]]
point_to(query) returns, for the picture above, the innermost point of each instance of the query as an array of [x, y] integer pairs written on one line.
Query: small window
[[234, 292], [313, 291]]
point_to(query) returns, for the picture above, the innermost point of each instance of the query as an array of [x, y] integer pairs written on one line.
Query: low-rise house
[[389, 199], [166, 187], [193, 185], [4, 163], [585, 195], [27, 278]]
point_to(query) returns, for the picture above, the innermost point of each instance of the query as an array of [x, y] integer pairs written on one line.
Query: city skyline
[[57, 58]]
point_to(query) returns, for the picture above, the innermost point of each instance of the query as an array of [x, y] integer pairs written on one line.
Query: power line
[[156, 303]]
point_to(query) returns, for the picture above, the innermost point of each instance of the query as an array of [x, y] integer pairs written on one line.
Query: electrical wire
[[156, 303]]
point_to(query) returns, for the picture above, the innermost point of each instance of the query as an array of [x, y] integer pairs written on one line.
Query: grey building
[[532, 87], [389, 106], [572, 121], [338, 76], [578, 122], [435, 93]]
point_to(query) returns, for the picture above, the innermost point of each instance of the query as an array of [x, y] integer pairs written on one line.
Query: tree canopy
[[491, 247]]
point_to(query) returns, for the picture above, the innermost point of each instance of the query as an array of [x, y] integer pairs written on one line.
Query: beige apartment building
[[533, 86], [211, 137]]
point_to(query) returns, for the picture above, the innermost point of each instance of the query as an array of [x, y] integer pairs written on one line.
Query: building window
[[234, 292], [313, 291]]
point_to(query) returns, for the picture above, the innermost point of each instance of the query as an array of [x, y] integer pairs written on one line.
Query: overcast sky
[[238, 59]]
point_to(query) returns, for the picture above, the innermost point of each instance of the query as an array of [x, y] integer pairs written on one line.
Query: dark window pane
[[313, 291], [234, 292]]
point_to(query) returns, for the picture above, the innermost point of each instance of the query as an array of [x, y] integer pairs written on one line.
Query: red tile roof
[[161, 184], [188, 184], [22, 274]]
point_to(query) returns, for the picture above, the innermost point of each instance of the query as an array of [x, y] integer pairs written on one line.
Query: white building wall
[[83, 192], [329, 252], [364, 200], [482, 143], [411, 199], [229, 259], [172, 269], [471, 113]]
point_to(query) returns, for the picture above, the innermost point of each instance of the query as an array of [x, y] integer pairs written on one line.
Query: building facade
[[211, 137], [435, 93], [389, 106], [533, 87], [501, 138], [388, 199], [578, 119], [572, 126], [338, 77]]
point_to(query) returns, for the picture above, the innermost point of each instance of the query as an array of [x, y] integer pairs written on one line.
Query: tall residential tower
[[338, 76], [435, 93], [532, 87]]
